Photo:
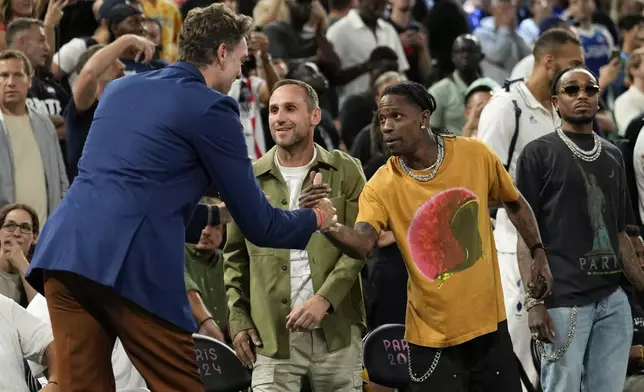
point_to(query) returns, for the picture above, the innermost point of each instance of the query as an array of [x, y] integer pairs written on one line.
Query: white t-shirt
[[22, 335], [247, 111], [638, 167], [126, 376], [353, 42], [628, 106], [496, 127], [301, 283]]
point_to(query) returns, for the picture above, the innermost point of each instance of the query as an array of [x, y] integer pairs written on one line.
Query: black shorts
[[484, 364]]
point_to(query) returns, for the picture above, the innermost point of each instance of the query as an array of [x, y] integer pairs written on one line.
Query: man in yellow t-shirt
[[434, 195]]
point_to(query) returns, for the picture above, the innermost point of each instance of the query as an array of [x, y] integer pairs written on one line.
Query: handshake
[[315, 196]]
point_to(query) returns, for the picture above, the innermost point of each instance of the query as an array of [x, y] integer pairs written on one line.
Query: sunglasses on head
[[573, 91]]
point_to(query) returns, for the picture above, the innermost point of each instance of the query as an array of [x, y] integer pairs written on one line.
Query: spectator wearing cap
[[477, 96], [124, 18], [450, 91], [119, 17], [354, 37], [97, 67], [168, 14]]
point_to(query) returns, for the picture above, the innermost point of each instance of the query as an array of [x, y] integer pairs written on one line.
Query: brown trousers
[[87, 318]]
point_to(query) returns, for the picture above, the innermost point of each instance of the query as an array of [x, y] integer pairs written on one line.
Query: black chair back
[[385, 356], [219, 367]]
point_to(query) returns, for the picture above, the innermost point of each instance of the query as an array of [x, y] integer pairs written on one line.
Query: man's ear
[[222, 53], [316, 116], [425, 116], [555, 103]]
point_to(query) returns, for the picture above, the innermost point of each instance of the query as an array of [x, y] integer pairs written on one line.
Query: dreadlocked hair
[[555, 82], [417, 95]]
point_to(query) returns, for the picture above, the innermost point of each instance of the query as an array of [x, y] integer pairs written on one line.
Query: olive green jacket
[[257, 280]]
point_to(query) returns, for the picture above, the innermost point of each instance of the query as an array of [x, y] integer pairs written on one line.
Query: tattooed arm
[[521, 215], [630, 264], [355, 243]]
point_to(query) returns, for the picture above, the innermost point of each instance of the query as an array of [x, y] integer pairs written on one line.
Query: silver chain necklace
[[429, 371], [588, 156], [566, 343], [440, 155]]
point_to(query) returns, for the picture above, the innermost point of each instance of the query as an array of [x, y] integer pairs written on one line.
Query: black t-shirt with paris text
[[581, 207]]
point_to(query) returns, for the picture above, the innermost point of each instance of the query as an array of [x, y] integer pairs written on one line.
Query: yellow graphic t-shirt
[[443, 230]]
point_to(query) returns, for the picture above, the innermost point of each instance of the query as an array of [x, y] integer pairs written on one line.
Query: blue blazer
[[158, 140]]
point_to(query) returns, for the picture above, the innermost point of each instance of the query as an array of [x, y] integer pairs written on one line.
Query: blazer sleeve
[[220, 143]]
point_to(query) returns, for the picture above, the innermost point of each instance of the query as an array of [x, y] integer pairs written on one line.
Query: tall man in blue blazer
[[110, 258]]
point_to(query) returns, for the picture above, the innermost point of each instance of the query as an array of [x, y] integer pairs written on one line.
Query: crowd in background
[[60, 54]]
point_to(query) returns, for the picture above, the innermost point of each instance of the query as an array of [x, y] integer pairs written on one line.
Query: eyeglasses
[[25, 228], [573, 91]]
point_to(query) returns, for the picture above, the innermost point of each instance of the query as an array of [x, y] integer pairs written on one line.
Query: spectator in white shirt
[[631, 103], [126, 377], [23, 336], [354, 37]]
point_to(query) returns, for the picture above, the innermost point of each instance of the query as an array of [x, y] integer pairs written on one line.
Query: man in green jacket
[[295, 313], [204, 276]]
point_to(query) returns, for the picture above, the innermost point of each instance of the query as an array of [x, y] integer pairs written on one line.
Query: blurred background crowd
[[60, 54]]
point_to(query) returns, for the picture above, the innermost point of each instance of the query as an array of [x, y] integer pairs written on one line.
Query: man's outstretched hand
[[315, 192]]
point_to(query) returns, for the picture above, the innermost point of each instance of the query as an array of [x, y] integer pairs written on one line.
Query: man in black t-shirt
[[574, 181]]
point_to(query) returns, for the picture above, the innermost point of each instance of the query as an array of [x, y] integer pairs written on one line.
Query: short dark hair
[[632, 230], [478, 89], [35, 223], [14, 54], [17, 26], [414, 93], [627, 22], [87, 54], [339, 4], [205, 29], [551, 41], [554, 87], [312, 100], [383, 53]]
